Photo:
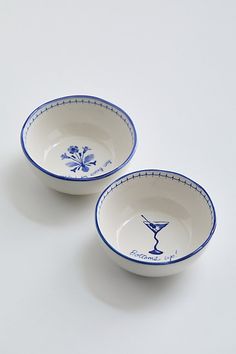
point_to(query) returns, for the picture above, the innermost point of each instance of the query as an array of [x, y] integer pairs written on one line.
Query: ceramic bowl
[[78, 144], [154, 222]]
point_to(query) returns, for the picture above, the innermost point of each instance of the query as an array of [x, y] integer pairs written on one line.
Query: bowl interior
[[79, 137], [155, 216]]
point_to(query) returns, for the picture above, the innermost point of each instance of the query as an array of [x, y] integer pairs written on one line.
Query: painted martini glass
[[155, 227]]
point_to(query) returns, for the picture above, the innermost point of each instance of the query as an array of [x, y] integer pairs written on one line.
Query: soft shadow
[[39, 203], [119, 288]]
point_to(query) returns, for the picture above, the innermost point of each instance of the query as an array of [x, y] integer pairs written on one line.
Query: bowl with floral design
[[154, 222], [78, 144]]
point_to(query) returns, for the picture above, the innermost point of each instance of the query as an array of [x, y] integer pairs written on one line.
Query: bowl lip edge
[[80, 179], [189, 255]]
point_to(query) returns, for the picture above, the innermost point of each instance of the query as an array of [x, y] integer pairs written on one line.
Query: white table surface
[[171, 66]]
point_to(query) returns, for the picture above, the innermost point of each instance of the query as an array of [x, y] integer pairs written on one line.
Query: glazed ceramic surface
[[78, 144], [153, 222]]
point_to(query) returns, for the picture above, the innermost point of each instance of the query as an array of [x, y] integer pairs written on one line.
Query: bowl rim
[[198, 249], [79, 179]]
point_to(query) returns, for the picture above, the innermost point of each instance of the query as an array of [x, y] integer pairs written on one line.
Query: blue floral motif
[[79, 158]]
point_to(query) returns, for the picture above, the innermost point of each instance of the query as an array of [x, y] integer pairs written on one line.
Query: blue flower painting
[[79, 159]]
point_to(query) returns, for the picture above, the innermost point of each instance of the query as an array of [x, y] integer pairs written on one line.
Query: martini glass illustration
[[155, 227]]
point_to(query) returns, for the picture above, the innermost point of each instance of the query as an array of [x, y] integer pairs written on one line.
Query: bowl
[[78, 144], [154, 222]]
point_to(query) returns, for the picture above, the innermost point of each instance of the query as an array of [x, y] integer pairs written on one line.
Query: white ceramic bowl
[[154, 222], [78, 144]]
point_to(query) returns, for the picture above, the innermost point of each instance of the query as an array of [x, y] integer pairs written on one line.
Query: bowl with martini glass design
[[155, 222]]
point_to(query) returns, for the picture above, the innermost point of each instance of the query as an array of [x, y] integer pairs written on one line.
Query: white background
[[171, 66]]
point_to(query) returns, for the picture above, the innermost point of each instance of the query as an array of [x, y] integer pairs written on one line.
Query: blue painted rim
[[73, 179], [155, 263]]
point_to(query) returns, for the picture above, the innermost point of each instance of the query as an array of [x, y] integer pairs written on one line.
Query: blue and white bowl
[[154, 222], [78, 144]]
